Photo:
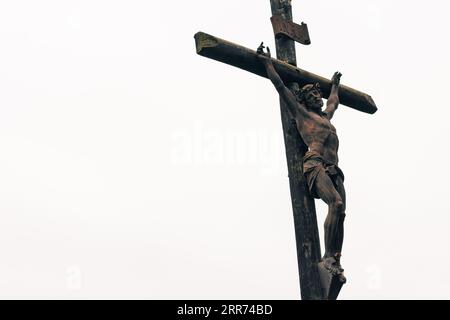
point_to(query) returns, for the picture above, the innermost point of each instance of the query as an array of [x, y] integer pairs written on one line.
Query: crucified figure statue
[[320, 163]]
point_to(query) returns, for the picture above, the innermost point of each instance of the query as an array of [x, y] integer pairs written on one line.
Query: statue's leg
[[341, 190], [326, 190]]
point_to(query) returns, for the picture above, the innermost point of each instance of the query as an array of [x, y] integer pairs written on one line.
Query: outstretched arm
[[294, 107], [333, 99]]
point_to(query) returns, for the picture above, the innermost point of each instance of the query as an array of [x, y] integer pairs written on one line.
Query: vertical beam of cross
[[305, 220]]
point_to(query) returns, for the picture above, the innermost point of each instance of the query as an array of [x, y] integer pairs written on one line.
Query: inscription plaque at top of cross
[[311, 143]]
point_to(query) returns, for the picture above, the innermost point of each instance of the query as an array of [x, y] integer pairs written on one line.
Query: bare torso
[[320, 136]]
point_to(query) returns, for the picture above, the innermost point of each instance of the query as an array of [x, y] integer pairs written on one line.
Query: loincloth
[[313, 164]]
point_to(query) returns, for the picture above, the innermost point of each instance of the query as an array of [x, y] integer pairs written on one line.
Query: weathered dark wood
[[246, 59], [305, 221], [331, 284]]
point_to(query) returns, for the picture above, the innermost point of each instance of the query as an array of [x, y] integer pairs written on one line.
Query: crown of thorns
[[307, 88]]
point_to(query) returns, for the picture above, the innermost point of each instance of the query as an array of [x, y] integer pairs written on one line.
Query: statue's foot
[[333, 265]]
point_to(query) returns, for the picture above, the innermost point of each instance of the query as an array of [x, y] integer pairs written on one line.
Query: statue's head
[[311, 96]]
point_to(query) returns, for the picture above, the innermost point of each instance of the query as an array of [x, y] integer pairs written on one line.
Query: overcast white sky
[[130, 167]]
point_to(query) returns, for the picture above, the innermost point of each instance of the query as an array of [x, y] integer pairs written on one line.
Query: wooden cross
[[314, 283]]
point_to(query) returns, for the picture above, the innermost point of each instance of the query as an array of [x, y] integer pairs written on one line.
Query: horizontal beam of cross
[[246, 59]]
